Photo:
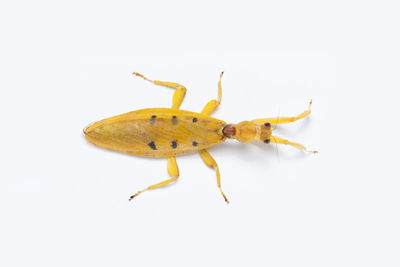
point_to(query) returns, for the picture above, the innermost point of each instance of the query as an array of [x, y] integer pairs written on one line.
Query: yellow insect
[[168, 132]]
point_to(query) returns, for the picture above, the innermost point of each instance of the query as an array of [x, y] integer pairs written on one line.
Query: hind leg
[[278, 120], [172, 170], [179, 94], [279, 140]]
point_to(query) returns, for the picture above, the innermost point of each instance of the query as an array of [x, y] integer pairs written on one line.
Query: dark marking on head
[[194, 119], [267, 141], [267, 124], [174, 144], [174, 120], [229, 131], [153, 119], [152, 145], [195, 143]]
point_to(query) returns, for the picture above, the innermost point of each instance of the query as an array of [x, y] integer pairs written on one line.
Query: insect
[[169, 132]]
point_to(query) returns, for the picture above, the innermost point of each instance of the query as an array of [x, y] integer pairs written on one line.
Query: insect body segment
[[157, 132], [168, 132], [247, 131]]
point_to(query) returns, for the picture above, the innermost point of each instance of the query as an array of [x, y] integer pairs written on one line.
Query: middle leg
[[210, 162], [213, 104]]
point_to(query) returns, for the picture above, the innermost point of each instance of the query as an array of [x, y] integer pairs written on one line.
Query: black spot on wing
[[174, 120], [174, 144], [153, 119], [194, 119], [195, 143], [152, 145]]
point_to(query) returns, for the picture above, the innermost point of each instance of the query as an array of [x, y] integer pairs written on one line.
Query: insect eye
[[267, 124]]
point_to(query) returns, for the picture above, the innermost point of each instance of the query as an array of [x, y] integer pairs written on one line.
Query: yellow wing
[[157, 132]]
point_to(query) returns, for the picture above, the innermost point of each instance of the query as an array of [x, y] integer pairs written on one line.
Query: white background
[[65, 64]]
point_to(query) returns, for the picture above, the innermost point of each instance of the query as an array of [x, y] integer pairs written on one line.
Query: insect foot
[[135, 195], [226, 200]]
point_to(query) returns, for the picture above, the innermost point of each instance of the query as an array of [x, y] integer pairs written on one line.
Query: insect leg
[[213, 104], [279, 140], [172, 170], [279, 120], [179, 94], [210, 162]]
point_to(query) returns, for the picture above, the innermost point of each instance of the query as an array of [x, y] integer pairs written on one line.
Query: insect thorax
[[247, 131]]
